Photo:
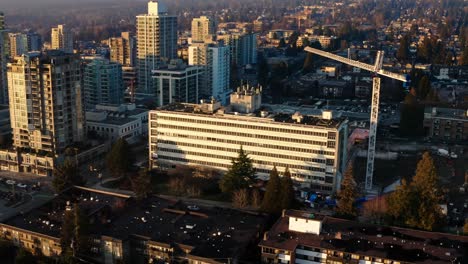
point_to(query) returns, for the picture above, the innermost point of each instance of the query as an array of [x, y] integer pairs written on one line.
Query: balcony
[[303, 261]]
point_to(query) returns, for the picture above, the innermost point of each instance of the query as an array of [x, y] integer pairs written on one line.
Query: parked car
[[22, 185], [10, 182]]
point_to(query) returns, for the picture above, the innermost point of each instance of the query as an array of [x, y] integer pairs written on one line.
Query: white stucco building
[[312, 147]]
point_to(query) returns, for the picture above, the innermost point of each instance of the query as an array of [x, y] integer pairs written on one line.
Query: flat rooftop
[[447, 113], [110, 120], [211, 232], [267, 113], [47, 219], [393, 243], [208, 232]]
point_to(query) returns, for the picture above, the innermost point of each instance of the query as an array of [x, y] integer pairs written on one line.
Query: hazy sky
[[25, 3]]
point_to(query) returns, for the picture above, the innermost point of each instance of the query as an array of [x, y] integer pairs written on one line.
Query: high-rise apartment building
[[45, 101], [34, 41], [216, 61], [2, 21], [178, 83], [203, 28], [21, 43], [103, 83], [3, 61], [243, 47], [122, 49], [156, 44], [312, 147], [62, 39], [18, 44]]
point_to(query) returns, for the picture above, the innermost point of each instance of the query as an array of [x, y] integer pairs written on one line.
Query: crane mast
[[374, 116]]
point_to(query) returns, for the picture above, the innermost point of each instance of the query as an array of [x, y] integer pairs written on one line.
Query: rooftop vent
[[327, 114], [297, 117]]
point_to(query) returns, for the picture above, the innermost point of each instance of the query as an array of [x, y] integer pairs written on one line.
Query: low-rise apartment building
[[120, 230], [305, 238], [446, 123], [112, 122]]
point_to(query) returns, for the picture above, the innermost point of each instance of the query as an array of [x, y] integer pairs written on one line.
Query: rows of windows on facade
[[209, 134]]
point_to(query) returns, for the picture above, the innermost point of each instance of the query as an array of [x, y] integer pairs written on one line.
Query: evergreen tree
[[292, 40], [24, 257], [411, 116], [263, 72], [287, 190], [424, 87], [74, 233], [305, 42], [66, 175], [403, 50], [282, 43], [424, 51], [142, 184], [464, 57], [347, 196], [7, 251], [440, 53], [346, 31], [80, 223], [120, 158], [416, 205], [308, 63], [316, 45], [67, 231], [399, 202], [240, 175], [463, 36], [270, 203]]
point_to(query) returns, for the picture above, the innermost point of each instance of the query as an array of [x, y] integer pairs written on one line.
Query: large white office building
[[156, 44], [206, 134]]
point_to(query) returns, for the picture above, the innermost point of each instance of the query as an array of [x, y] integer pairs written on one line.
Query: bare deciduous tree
[[240, 198]]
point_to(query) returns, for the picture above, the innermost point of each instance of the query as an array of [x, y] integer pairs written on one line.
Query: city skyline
[[234, 131]]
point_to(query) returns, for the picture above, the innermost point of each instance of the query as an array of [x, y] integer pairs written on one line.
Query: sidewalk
[[98, 186], [202, 202]]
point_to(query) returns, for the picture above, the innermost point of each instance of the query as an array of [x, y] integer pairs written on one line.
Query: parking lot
[[20, 195]]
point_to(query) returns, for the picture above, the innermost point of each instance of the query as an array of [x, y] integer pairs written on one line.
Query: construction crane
[[374, 117]]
